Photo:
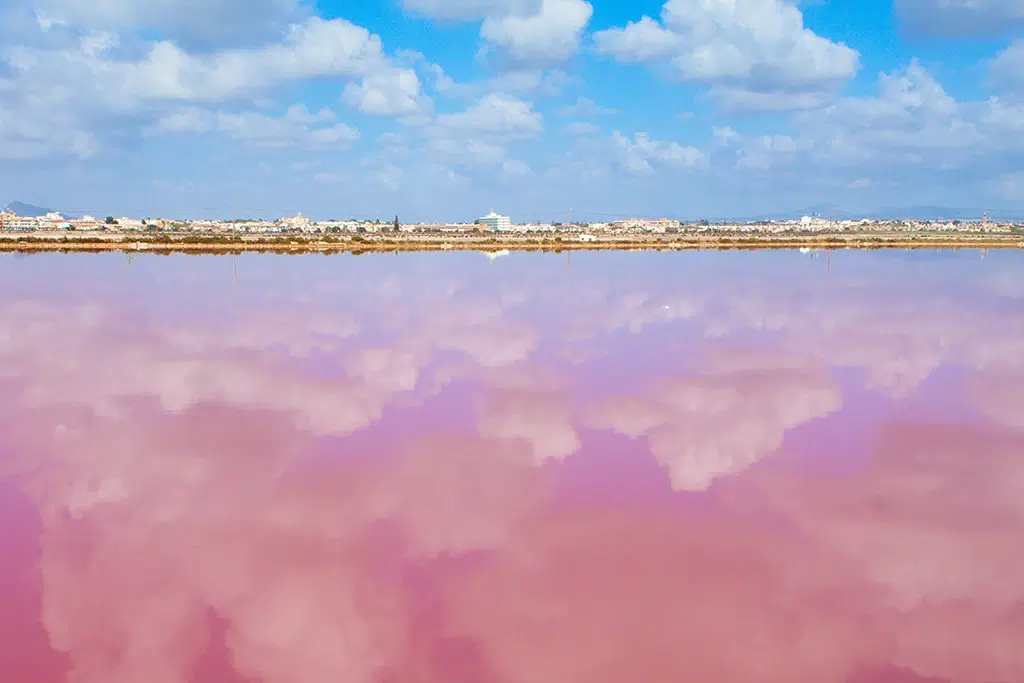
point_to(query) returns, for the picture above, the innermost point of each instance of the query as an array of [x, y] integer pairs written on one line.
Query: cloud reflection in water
[[271, 473]]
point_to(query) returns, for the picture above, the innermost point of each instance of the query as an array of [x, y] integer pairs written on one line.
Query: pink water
[[706, 467]]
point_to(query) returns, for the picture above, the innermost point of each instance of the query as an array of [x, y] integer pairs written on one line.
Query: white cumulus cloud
[[297, 127], [755, 46], [468, 10], [642, 154], [198, 23], [548, 37], [495, 114], [1007, 69], [389, 92]]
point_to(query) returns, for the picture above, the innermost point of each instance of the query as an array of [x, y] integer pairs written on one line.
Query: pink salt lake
[[749, 467]]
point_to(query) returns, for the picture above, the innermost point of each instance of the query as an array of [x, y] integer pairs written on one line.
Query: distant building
[[660, 225], [496, 222], [297, 222]]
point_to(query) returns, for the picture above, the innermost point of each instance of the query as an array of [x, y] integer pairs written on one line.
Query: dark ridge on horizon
[[896, 213], [33, 211], [27, 210]]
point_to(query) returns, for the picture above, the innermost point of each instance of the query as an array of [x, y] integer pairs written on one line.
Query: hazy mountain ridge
[[897, 213], [26, 210], [33, 211]]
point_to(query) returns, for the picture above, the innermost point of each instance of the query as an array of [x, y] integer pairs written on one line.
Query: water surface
[[745, 467]]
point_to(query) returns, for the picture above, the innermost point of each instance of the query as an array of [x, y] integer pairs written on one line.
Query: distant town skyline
[[39, 220], [441, 109], [836, 213]]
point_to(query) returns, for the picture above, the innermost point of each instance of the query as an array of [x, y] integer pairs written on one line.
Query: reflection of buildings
[[496, 222]]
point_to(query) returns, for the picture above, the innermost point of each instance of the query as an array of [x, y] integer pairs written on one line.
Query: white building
[[297, 222], [814, 223], [496, 222], [11, 221]]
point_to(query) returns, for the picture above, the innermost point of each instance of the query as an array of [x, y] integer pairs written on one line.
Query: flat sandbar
[[192, 243]]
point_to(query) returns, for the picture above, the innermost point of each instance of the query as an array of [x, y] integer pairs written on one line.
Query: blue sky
[[443, 109]]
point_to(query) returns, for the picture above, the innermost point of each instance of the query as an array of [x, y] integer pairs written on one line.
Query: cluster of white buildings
[[492, 222], [55, 221]]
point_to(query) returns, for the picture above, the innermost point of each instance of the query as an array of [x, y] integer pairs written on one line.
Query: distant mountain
[[823, 210], [895, 213], [27, 210], [929, 213], [939, 212]]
